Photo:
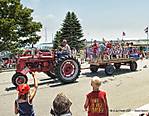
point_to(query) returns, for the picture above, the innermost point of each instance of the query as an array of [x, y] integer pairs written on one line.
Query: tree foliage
[[57, 39], [71, 31], [17, 27]]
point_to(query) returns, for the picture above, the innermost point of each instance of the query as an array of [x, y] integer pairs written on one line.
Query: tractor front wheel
[[19, 78]]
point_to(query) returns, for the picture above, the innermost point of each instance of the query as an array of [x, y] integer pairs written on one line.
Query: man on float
[[64, 49]]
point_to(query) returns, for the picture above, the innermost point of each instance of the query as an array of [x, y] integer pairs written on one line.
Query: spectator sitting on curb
[[61, 106]]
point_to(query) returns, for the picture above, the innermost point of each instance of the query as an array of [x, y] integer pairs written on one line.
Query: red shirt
[[109, 45], [97, 104], [95, 47]]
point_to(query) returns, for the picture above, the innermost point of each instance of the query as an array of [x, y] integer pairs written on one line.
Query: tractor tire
[[93, 68], [109, 69], [67, 69], [133, 66], [117, 65], [19, 78]]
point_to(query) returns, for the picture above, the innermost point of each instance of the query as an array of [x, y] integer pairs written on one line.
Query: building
[[45, 46], [137, 42]]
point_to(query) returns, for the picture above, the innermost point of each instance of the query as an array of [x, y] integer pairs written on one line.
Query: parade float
[[111, 56]]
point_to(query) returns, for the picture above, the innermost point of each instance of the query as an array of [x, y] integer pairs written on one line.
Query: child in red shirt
[[96, 102]]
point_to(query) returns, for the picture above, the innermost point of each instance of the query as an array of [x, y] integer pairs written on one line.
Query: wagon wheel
[[67, 69], [133, 66], [19, 78], [109, 69], [0, 68], [93, 68], [117, 65]]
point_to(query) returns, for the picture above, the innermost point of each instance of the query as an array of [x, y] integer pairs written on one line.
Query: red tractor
[[63, 67]]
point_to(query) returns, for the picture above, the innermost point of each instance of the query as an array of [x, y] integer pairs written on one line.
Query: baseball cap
[[23, 89]]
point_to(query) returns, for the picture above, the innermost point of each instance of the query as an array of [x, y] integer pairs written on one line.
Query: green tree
[[17, 27], [72, 31], [57, 39]]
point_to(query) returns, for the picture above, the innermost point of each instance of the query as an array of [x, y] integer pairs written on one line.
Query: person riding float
[[64, 49], [95, 47]]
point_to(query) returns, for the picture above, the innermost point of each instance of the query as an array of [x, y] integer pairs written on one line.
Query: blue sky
[[99, 18]]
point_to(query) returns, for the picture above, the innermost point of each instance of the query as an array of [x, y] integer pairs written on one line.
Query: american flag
[[124, 34], [25, 70], [146, 30]]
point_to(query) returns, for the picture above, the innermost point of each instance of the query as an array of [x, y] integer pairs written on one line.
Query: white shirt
[[67, 49]]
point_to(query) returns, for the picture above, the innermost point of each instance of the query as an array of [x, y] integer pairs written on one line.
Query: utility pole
[[52, 38], [91, 42], [123, 34], [147, 39], [45, 34]]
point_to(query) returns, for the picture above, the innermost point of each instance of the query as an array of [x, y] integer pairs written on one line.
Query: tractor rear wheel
[[67, 69], [19, 78]]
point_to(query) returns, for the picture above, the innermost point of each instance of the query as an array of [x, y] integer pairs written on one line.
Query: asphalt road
[[125, 91]]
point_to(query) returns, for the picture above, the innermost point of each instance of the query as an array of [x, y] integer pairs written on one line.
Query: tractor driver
[[65, 48]]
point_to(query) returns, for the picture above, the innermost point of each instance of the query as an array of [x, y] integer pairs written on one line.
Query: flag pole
[[147, 39], [146, 31], [123, 34]]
